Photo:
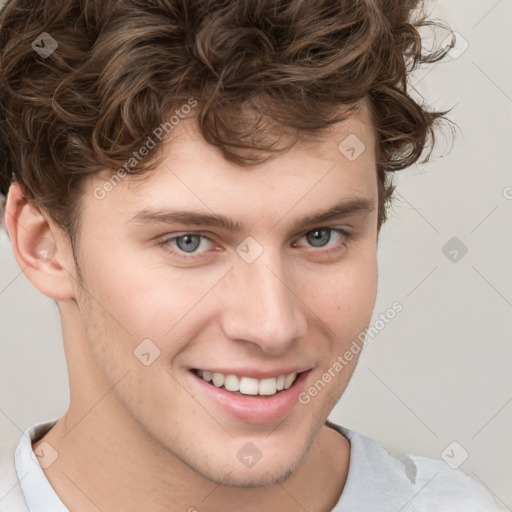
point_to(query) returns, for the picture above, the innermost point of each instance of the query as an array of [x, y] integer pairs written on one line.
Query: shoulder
[[448, 488], [410, 482], [11, 495]]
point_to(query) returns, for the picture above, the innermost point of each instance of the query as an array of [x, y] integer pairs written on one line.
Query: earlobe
[[41, 252]]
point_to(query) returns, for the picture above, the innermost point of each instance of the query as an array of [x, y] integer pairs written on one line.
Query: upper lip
[[256, 373]]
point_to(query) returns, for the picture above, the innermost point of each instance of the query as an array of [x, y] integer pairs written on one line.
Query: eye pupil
[[315, 238], [189, 245]]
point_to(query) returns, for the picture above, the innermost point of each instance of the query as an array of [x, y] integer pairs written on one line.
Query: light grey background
[[441, 370]]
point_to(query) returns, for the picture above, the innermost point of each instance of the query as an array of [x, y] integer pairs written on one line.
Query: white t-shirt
[[376, 481]]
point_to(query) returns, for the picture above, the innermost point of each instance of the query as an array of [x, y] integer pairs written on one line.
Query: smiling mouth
[[247, 385]]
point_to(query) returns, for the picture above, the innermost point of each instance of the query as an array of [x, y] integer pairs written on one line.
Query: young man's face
[[271, 299]]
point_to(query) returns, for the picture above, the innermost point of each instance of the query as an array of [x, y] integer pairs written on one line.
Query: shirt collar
[[38, 493]]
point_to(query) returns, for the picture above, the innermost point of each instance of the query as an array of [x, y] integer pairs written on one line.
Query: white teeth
[[218, 379], [232, 383], [289, 380], [268, 386], [249, 385]]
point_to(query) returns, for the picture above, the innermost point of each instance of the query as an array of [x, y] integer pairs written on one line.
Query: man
[[200, 187]]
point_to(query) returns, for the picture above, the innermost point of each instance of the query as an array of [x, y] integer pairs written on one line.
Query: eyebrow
[[197, 218]]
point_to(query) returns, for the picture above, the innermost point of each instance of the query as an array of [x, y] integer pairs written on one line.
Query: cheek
[[343, 295], [139, 297], [128, 301]]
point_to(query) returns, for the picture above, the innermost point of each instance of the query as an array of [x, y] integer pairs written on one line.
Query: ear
[[41, 249]]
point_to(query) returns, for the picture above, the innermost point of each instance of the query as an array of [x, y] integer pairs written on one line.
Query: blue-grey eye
[[321, 239], [191, 242]]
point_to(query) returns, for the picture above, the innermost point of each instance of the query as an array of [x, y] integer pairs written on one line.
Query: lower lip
[[251, 408]]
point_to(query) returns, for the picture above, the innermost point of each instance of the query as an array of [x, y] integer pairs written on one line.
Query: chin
[[252, 478], [263, 474]]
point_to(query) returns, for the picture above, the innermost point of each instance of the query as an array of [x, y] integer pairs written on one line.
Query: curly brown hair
[[122, 66]]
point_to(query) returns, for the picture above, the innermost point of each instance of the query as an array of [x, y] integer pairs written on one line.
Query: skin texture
[[140, 437]]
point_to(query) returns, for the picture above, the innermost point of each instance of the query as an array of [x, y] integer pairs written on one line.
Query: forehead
[[337, 164]]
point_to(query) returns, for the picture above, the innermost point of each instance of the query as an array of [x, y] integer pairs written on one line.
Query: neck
[[116, 466]]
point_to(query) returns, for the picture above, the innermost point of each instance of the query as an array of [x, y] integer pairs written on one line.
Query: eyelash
[[346, 235]]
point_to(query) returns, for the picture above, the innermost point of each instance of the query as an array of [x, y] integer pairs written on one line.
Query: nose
[[261, 305]]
